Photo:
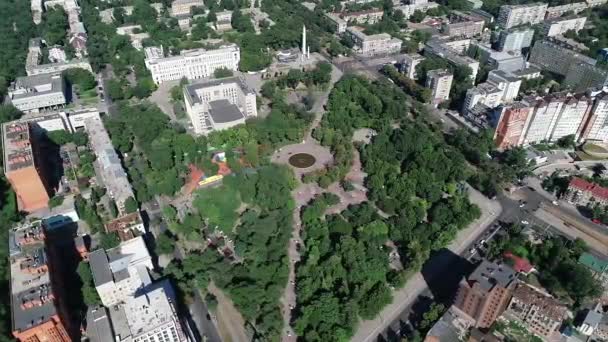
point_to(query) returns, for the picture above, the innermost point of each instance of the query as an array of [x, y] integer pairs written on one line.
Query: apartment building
[[510, 128], [487, 94], [515, 15], [24, 166], [507, 82], [555, 57], [440, 83], [582, 193], [571, 119], [515, 39], [560, 26], [596, 127], [31, 94], [184, 7], [415, 5], [192, 64], [558, 11], [485, 293], [127, 227], [446, 50], [375, 44], [36, 7], [149, 316], [223, 21], [33, 294], [339, 23], [463, 25], [109, 168], [120, 272], [582, 76], [136, 36], [219, 104], [538, 311], [370, 16], [509, 61], [409, 63]]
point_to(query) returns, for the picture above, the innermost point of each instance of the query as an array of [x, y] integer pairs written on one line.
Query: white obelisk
[[303, 42]]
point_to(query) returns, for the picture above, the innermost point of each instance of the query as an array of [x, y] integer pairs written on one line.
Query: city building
[[597, 266], [181, 7], [49, 68], [485, 93], [127, 226], [370, 16], [570, 121], [440, 83], [192, 64], [540, 313], [415, 5], [135, 34], [509, 61], [99, 326], [515, 39], [57, 55], [34, 299], [120, 272], [409, 63], [446, 50], [107, 15], [560, 26], [515, 15], [463, 25], [24, 166], [529, 73], [454, 325], [223, 21], [510, 129], [150, 316], [486, 292], [553, 56], [339, 23], [558, 11], [219, 104], [114, 177], [507, 82], [31, 94], [583, 193], [36, 7], [591, 321], [596, 127], [582, 76], [375, 44]]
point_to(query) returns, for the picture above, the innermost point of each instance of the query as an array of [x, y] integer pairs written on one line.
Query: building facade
[[370, 16], [596, 127], [192, 64], [485, 293], [515, 39], [463, 25], [516, 15], [219, 104], [339, 23], [510, 129], [409, 63], [583, 193], [440, 83], [582, 76], [555, 57], [540, 313], [183, 7], [375, 44]]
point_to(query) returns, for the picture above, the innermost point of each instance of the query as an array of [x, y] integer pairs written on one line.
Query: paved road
[[202, 319]]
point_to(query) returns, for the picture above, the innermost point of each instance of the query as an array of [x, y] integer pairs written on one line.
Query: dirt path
[[229, 321]]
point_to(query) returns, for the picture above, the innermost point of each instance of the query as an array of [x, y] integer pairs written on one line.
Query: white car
[[524, 222], [555, 203]]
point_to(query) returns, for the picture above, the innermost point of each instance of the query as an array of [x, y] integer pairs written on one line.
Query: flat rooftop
[[489, 274], [17, 147], [222, 111], [32, 298], [27, 86], [193, 88]]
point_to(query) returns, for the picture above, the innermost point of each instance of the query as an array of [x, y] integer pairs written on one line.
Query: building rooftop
[[32, 298], [112, 265], [549, 306], [17, 147], [113, 175], [27, 86], [519, 264], [100, 268], [597, 191], [489, 274], [508, 76], [191, 89], [99, 328], [122, 225], [223, 111], [594, 263]]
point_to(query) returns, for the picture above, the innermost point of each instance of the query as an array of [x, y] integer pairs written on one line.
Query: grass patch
[[586, 157]]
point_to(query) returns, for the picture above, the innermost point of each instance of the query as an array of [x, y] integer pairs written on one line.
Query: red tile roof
[[519, 264], [598, 192]]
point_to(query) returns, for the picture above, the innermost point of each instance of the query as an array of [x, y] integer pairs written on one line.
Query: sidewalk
[[404, 297]]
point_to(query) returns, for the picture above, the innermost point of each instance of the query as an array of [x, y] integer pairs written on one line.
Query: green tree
[[89, 293], [131, 205], [164, 244], [222, 73]]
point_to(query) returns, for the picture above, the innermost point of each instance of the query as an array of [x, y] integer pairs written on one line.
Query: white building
[[120, 272], [515, 15], [415, 5], [376, 44], [571, 118], [223, 21], [36, 6], [485, 93], [515, 39], [192, 64], [370, 16], [409, 63], [597, 126], [183, 7], [219, 104], [32, 94], [339, 23], [49, 68], [150, 317], [562, 25], [56, 54], [507, 82], [440, 83]]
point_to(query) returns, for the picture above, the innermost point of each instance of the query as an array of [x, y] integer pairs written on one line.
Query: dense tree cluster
[[408, 85], [16, 28], [55, 26], [89, 293]]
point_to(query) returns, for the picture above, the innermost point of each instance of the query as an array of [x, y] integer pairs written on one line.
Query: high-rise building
[[440, 83], [562, 25], [510, 129], [582, 76], [192, 64], [121, 271], [409, 63], [24, 167], [485, 93], [515, 39], [515, 15], [596, 127], [507, 82], [33, 296], [452, 51], [219, 104], [555, 57], [485, 293]]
